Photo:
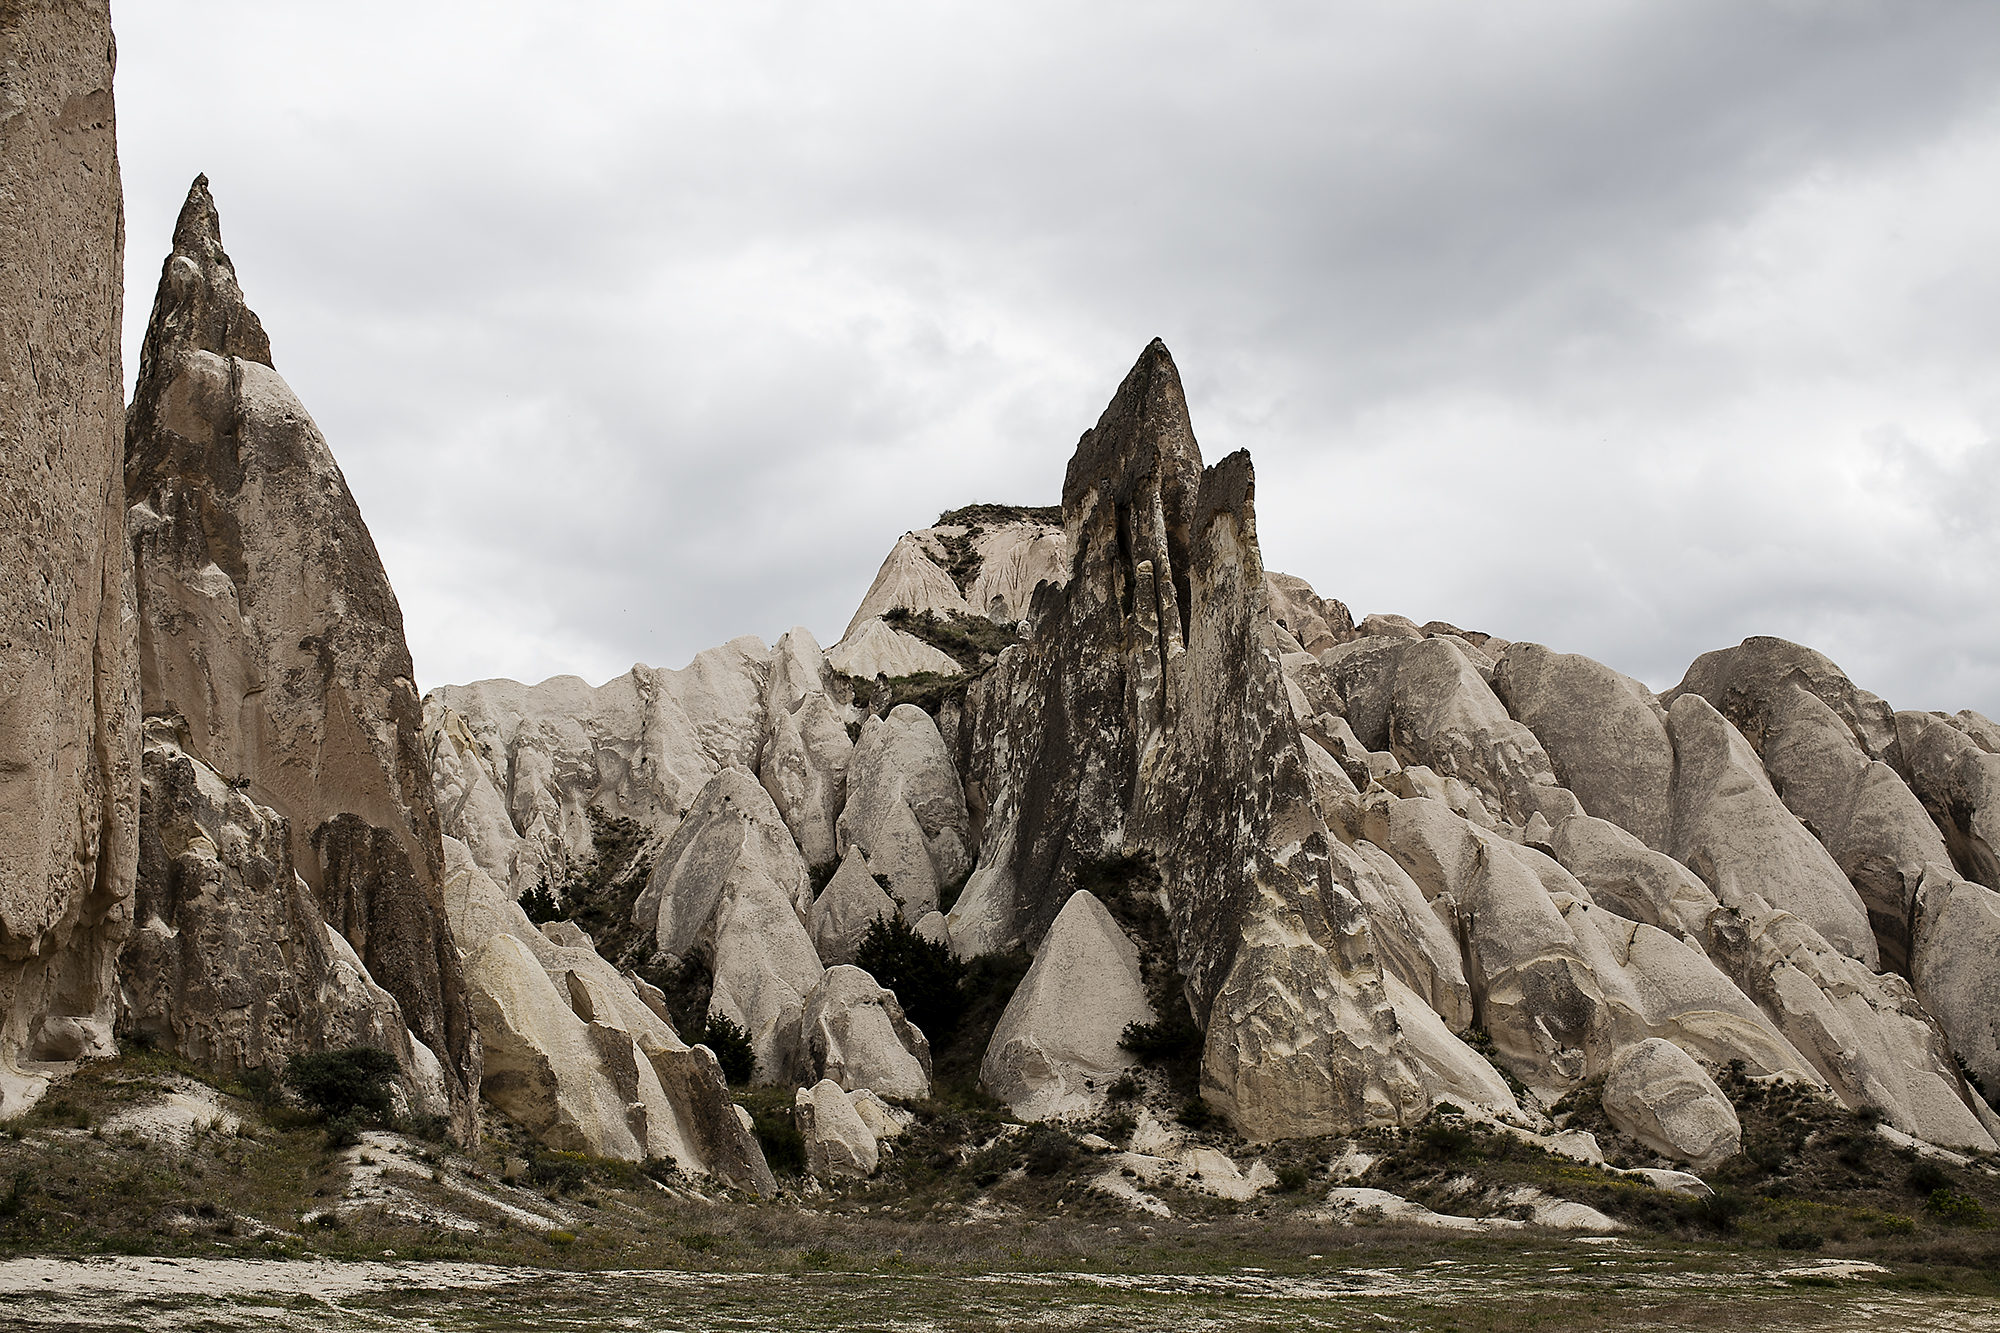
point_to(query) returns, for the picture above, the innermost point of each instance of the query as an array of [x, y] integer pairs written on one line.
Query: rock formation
[[856, 1035], [269, 633], [69, 746], [1661, 1097]]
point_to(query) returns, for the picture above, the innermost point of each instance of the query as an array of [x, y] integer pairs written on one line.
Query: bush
[[924, 975], [731, 1045], [350, 1083], [540, 903], [1800, 1238], [1196, 1113], [1046, 1150], [1960, 1210], [1292, 1179], [1124, 1088], [1927, 1177], [778, 1135]]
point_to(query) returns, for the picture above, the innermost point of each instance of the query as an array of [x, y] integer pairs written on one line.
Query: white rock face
[[1315, 623], [839, 1143], [1955, 936], [1730, 828], [803, 762], [1013, 559], [910, 580], [1605, 734], [518, 766], [574, 1052], [1055, 1051], [1958, 781], [905, 809], [845, 908], [856, 1035], [1657, 1094], [732, 889], [1442, 715], [872, 648], [1416, 945]]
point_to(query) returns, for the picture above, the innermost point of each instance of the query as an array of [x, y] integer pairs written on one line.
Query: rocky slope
[[68, 720], [1399, 865]]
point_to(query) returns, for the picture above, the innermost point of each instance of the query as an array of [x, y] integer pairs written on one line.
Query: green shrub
[[1927, 1177], [732, 1048], [1196, 1113], [778, 1135], [1960, 1210], [540, 903], [1124, 1088], [1046, 1150], [1800, 1238], [1293, 1178], [924, 974], [350, 1083]]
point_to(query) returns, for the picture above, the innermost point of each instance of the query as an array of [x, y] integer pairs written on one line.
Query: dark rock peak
[[199, 304]]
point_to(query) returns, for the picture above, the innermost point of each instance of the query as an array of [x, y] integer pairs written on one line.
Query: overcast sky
[[1632, 329]]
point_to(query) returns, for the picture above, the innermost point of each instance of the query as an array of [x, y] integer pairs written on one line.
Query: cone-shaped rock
[[267, 624]]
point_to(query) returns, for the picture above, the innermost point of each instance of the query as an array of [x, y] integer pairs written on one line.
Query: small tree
[[731, 1045], [344, 1084], [923, 973]]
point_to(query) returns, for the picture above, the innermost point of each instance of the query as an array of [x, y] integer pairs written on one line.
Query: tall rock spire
[[269, 633], [68, 734]]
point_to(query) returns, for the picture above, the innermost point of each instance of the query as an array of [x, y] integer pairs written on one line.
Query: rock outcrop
[[850, 903], [839, 1143], [576, 1055], [731, 891], [268, 627], [1958, 782], [69, 748], [230, 963], [905, 809], [856, 1035], [1661, 1097], [1055, 1051]]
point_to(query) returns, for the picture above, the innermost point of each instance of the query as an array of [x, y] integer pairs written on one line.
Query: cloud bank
[[1629, 328]]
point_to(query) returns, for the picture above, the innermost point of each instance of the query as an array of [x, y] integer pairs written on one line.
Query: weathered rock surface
[[908, 580], [1874, 826], [519, 767], [267, 623], [856, 1035], [1605, 734], [839, 1143], [230, 964], [874, 649], [804, 761], [1959, 784], [1729, 827], [1055, 1051], [1015, 559], [69, 747], [905, 809], [1315, 623], [1656, 1093], [850, 903], [731, 889], [574, 1052], [1955, 938]]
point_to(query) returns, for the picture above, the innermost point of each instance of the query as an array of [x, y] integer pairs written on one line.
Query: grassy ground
[[963, 1192]]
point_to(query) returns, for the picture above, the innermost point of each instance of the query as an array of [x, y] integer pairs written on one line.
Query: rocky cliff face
[[68, 722], [1402, 864], [269, 635]]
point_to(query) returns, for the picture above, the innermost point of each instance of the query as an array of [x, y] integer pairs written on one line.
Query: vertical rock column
[[268, 627], [68, 728]]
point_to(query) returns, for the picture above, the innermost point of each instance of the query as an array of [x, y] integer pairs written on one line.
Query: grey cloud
[[639, 330]]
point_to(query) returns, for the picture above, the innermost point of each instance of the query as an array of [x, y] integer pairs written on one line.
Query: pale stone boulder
[[1363, 670], [1955, 939], [1387, 624], [1443, 716], [1055, 1051], [933, 927], [839, 1143], [732, 889], [856, 1035], [883, 1120], [874, 648], [1959, 784], [1631, 878], [1605, 734], [1729, 827], [1315, 624], [1983, 730], [850, 903], [909, 580], [69, 735], [1659, 1095], [906, 809]]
